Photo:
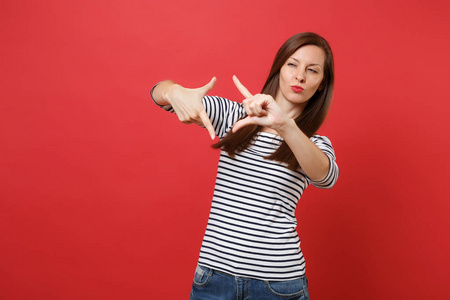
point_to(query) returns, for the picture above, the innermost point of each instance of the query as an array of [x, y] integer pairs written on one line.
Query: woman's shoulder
[[219, 99], [221, 103]]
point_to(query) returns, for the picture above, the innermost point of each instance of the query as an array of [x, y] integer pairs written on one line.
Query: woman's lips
[[297, 88]]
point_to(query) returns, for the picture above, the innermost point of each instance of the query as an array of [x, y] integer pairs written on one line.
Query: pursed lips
[[297, 88]]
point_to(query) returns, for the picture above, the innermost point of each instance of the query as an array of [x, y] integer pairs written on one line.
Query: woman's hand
[[188, 106], [261, 110]]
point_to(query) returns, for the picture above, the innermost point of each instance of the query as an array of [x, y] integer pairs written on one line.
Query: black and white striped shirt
[[251, 230]]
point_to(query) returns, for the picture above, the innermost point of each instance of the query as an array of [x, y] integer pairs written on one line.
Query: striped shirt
[[251, 230]]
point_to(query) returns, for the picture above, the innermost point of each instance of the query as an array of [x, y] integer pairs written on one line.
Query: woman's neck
[[293, 110]]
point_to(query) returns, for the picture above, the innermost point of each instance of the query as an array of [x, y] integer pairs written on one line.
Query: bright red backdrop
[[104, 196]]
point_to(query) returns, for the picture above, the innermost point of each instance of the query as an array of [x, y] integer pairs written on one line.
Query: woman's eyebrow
[[316, 65], [312, 64]]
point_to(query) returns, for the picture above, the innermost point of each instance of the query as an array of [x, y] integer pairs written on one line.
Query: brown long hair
[[312, 116]]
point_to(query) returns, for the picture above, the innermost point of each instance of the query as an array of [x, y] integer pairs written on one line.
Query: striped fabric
[[251, 230]]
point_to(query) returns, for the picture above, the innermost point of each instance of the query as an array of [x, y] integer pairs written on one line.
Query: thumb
[[242, 123], [209, 86]]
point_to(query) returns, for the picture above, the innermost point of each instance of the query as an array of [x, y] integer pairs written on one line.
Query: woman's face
[[300, 77]]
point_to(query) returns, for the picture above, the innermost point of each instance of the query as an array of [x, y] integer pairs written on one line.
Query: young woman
[[270, 153]]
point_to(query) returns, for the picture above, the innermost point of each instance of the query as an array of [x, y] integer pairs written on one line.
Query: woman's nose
[[300, 76]]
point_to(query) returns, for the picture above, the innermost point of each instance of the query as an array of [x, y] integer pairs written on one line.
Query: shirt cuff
[[167, 107]]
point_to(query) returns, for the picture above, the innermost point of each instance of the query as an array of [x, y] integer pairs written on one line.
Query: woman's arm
[[187, 103], [313, 161], [263, 110]]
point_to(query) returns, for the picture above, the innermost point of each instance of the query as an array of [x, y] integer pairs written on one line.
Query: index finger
[[207, 123], [241, 87]]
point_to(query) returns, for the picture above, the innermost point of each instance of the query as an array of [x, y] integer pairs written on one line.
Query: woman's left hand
[[261, 110]]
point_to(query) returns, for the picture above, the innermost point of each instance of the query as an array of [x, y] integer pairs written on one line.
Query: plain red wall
[[104, 196]]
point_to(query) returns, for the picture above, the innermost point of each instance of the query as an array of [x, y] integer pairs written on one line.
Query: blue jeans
[[214, 285]]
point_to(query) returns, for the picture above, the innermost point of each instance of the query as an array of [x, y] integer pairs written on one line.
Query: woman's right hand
[[188, 106]]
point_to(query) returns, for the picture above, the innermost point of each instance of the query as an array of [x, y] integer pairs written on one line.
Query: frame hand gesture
[[187, 104], [261, 109]]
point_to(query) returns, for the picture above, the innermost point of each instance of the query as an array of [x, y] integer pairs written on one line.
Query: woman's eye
[[312, 70], [292, 65]]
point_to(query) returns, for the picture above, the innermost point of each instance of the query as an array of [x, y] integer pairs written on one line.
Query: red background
[[104, 196]]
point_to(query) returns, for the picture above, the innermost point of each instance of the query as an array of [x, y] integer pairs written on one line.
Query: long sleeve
[[330, 179]]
